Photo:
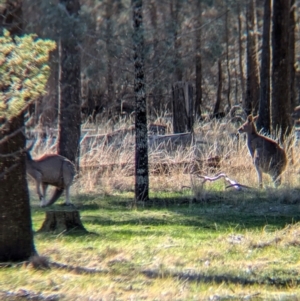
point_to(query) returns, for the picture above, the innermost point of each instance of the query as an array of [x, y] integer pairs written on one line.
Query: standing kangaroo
[[52, 170], [267, 155]]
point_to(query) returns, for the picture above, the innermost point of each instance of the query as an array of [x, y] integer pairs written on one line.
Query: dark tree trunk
[[241, 52], [252, 90], [280, 72], [182, 107], [219, 90], [198, 59], [109, 52], [141, 151], [175, 7], [69, 96], [155, 106], [227, 60], [264, 120], [16, 235], [292, 45]]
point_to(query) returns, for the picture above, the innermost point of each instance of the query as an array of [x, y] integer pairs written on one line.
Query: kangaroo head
[[248, 127]]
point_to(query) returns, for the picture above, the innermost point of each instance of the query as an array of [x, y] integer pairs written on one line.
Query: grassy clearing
[[191, 242], [242, 246]]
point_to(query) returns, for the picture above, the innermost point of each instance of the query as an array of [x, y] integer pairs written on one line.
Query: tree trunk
[[62, 221], [241, 52], [50, 101], [16, 235], [156, 105], [141, 147], [264, 123], [252, 92], [219, 90], [292, 45], [182, 107], [69, 96], [198, 61], [109, 51], [175, 7], [280, 88], [227, 59]]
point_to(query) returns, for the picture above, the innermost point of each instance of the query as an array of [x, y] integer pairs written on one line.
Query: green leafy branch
[[24, 72]]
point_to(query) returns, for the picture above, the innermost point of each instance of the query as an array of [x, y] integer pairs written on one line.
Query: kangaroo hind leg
[[258, 171], [69, 173], [276, 179], [68, 201], [44, 187], [38, 183]]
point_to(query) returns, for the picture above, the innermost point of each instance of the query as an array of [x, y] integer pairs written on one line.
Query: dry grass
[[108, 166]]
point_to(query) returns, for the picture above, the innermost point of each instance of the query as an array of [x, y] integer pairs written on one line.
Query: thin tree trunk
[[292, 45], [219, 90], [69, 91], [109, 53], [141, 151], [280, 88], [198, 60], [252, 92], [157, 94], [175, 7], [16, 235], [241, 51], [264, 121], [227, 59]]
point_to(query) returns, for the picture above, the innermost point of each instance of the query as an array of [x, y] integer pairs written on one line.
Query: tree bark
[[280, 88], [264, 120], [252, 90], [62, 221], [198, 60], [182, 107], [175, 7], [69, 90], [241, 52], [16, 235], [227, 59], [109, 51], [141, 147], [219, 90], [292, 46]]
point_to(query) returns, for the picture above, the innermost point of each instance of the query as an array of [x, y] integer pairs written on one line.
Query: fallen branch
[[233, 183]]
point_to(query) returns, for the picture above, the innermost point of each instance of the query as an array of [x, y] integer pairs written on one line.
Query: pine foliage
[[24, 72]]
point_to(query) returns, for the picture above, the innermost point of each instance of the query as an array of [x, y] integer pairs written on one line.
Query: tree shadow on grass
[[244, 210], [224, 278]]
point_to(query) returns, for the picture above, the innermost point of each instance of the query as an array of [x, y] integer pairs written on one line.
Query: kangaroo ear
[[255, 118], [250, 118]]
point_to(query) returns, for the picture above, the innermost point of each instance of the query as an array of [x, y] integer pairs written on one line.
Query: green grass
[[229, 246]]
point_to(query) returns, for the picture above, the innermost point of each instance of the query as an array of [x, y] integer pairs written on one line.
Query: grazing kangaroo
[[52, 170], [267, 155]]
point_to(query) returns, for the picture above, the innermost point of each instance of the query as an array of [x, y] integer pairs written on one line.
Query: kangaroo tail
[[57, 193]]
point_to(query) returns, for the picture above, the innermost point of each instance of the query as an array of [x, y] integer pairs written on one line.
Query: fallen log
[[196, 166]]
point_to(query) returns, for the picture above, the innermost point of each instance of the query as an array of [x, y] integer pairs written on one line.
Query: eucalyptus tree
[[264, 119], [69, 122], [280, 104]]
